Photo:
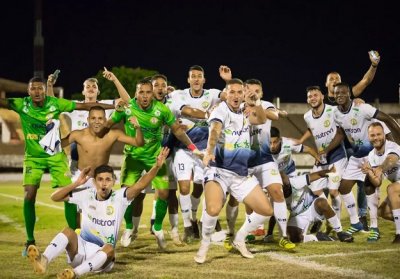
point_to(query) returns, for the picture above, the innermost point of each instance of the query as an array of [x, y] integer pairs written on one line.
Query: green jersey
[[151, 122], [33, 120]]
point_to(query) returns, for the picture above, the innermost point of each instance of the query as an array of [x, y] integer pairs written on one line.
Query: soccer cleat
[[188, 234], [151, 225], [364, 222], [66, 274], [285, 243], [39, 262], [323, 237], [358, 227], [126, 237], [228, 242], [162, 244], [176, 240], [258, 232], [396, 239], [196, 232], [344, 237], [202, 253], [27, 244], [269, 238], [241, 247], [316, 227], [373, 235]]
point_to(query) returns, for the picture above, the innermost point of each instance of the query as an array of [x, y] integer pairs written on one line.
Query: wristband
[[192, 147]]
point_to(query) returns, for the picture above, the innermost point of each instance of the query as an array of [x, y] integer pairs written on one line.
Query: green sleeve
[[15, 104], [117, 116], [66, 105], [169, 117]]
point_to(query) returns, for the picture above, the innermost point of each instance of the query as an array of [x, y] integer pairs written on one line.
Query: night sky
[[288, 45]]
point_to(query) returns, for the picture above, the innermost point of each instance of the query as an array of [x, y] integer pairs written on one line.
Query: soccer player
[[93, 250], [354, 119], [152, 116], [35, 111], [227, 153], [383, 160]]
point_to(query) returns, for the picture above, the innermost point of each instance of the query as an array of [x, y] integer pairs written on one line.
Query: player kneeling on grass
[[102, 212], [306, 208]]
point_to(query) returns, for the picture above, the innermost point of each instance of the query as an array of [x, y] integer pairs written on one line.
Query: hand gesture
[[170, 89], [225, 72], [366, 167], [120, 105], [83, 177], [207, 158], [198, 153], [282, 113], [134, 122], [374, 57], [109, 75], [162, 156]]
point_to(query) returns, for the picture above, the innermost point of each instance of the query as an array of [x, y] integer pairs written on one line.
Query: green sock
[[128, 217], [70, 211], [161, 210], [30, 218]]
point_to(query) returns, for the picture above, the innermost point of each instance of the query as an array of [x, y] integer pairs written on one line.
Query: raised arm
[[215, 132], [368, 76], [88, 106], [50, 84], [194, 113], [121, 89], [392, 124], [62, 194], [142, 183], [311, 151], [137, 140], [257, 114], [304, 137], [4, 103]]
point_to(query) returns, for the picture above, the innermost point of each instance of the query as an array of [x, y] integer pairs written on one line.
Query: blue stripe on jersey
[[336, 154], [232, 160], [290, 168], [361, 151], [260, 156]]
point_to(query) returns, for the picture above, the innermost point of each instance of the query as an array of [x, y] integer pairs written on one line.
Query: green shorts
[[132, 170], [57, 166]]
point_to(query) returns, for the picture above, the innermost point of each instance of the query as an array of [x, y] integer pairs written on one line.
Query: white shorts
[[353, 169], [86, 250], [303, 220], [238, 186], [333, 182], [266, 174], [186, 164]]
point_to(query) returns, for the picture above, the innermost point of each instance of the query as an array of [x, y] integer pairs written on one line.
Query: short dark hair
[[196, 68], [146, 80], [342, 84], [36, 79], [376, 124], [157, 76], [253, 81], [97, 108], [103, 169], [275, 133], [234, 81], [313, 87]]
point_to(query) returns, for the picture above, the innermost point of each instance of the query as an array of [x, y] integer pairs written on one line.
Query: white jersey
[[302, 197], [259, 138], [232, 150], [100, 219], [376, 160], [208, 99], [79, 117], [284, 158], [323, 129], [355, 124]]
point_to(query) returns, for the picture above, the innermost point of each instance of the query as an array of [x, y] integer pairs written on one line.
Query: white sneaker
[[202, 253], [126, 237], [176, 238], [162, 244], [241, 247]]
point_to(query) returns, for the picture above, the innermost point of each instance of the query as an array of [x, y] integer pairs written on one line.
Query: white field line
[[345, 272], [348, 254], [7, 220]]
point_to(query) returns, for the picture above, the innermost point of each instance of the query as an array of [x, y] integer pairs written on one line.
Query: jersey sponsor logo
[[110, 210], [353, 121], [50, 116], [52, 108], [327, 123], [32, 137], [236, 133], [154, 120], [324, 134], [205, 104], [352, 130], [128, 111], [255, 132], [103, 223], [392, 170], [157, 113], [274, 172], [25, 109]]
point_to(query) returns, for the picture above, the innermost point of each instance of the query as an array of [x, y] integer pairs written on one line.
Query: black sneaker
[[188, 234], [364, 222], [345, 237], [323, 237], [316, 227], [25, 251], [196, 232], [396, 239], [151, 225]]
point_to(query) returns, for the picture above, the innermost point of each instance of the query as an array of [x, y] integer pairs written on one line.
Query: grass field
[[143, 259]]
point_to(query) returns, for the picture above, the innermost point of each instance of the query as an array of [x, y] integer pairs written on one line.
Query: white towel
[[51, 142]]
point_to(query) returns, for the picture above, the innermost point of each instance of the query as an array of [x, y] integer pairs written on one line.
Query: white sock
[[350, 203], [153, 213], [250, 224], [174, 221], [92, 264], [185, 202], [309, 238], [335, 223], [280, 213], [136, 222], [372, 201], [231, 216], [337, 205], [396, 217], [195, 205], [56, 246], [208, 226]]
